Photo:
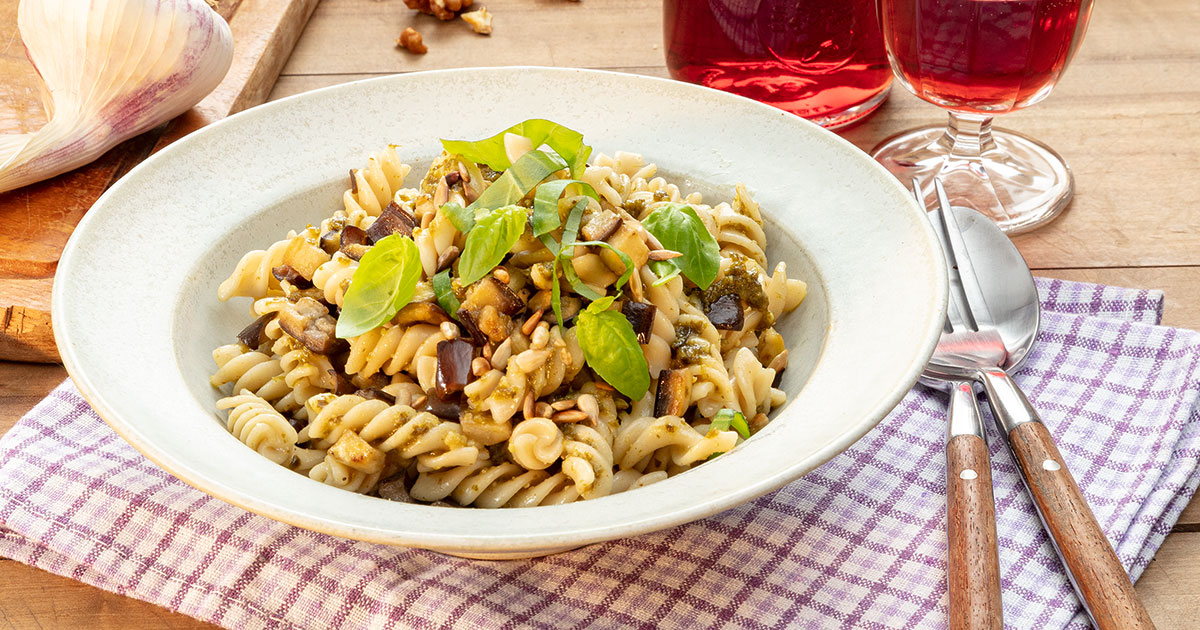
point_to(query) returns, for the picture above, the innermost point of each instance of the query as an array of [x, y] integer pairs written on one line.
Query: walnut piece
[[441, 9], [411, 39], [480, 21]]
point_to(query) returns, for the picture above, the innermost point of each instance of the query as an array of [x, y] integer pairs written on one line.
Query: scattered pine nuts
[[664, 254], [528, 408], [449, 331], [480, 366], [543, 410], [588, 404], [563, 405], [573, 415], [501, 274], [532, 322]]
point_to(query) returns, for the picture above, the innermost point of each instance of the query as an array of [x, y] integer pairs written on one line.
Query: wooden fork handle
[[1092, 565], [974, 569]]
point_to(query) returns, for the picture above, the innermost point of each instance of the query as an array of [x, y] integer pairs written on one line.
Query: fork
[[973, 566], [996, 298]]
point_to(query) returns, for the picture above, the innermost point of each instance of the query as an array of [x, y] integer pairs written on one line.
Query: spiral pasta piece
[[253, 421], [371, 188], [638, 438]]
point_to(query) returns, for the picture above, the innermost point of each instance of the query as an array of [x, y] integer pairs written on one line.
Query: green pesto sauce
[[741, 280]]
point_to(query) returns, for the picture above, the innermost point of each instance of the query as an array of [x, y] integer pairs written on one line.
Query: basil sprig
[[385, 281], [679, 228], [489, 241], [564, 259], [727, 419], [565, 142], [462, 218], [664, 270], [516, 182], [611, 348]]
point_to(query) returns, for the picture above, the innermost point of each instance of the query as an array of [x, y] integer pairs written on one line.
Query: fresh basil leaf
[[714, 456], [462, 218], [678, 227], [520, 178], [602, 304], [383, 283], [565, 142], [545, 203], [492, 238], [556, 293], [727, 419], [443, 288], [611, 349], [664, 270]]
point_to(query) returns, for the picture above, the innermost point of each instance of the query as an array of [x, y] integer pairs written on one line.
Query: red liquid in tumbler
[[983, 56], [815, 58]]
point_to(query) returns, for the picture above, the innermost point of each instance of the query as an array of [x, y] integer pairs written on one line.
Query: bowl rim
[[488, 542]]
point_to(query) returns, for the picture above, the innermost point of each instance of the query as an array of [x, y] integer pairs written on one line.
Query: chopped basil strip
[[565, 142], [679, 228], [612, 351], [727, 419], [462, 218], [490, 241], [383, 283], [516, 182], [443, 288], [545, 203], [573, 278]]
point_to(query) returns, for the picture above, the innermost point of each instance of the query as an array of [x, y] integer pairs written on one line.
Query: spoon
[[1003, 321]]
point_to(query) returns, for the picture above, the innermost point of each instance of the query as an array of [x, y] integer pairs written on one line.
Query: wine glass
[[976, 59]]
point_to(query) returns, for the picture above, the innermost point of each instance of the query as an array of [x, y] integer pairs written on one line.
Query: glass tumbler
[[977, 59], [820, 59]]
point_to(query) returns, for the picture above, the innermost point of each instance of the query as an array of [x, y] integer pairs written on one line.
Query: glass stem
[[968, 136], [967, 139]]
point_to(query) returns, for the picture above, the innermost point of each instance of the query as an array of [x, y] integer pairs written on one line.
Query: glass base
[[1017, 181], [855, 113]]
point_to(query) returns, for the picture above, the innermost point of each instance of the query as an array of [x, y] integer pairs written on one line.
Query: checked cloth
[[859, 543]]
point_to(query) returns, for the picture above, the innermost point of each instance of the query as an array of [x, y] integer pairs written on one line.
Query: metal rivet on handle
[[1050, 464], [967, 473]]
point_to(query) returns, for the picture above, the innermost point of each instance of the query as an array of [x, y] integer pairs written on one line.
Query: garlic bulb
[[110, 69]]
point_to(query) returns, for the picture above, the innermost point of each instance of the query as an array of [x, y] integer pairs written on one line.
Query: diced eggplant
[[726, 313], [376, 394], [393, 220], [446, 409], [288, 273], [599, 226], [490, 292], [353, 181], [354, 242], [496, 325], [343, 385], [467, 318], [453, 366], [255, 334], [420, 312], [308, 321], [331, 241], [674, 393], [640, 316], [304, 257], [628, 240]]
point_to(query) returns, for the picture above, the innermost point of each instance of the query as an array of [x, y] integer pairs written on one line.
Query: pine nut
[[664, 254], [501, 355], [532, 322], [501, 274], [563, 405], [573, 415], [588, 404], [449, 331]]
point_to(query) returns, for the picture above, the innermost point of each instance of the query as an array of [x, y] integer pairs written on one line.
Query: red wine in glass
[[979, 58], [983, 56], [820, 59]]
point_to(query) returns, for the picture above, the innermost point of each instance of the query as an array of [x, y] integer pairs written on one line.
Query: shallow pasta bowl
[[136, 316]]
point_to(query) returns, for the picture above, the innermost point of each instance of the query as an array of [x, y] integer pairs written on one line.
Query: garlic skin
[[111, 69]]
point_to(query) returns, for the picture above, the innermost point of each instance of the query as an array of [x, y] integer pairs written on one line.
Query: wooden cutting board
[[35, 221]]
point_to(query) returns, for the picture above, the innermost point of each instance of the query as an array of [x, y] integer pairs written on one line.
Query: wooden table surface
[[1126, 117]]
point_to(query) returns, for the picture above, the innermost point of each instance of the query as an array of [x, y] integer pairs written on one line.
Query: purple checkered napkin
[[859, 542]]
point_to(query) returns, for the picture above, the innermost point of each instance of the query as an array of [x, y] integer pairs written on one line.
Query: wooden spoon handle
[[971, 527], [1092, 565]]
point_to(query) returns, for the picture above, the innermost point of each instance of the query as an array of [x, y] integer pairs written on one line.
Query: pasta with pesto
[[528, 324]]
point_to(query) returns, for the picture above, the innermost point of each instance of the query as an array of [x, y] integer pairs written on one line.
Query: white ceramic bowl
[[136, 316]]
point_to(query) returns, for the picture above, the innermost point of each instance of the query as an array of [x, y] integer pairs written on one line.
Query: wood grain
[[1097, 573], [1126, 116], [37, 220], [974, 567]]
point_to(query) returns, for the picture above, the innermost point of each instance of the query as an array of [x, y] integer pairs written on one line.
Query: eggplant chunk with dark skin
[[255, 334], [487, 312], [354, 242], [309, 322], [393, 220], [641, 318], [674, 393], [454, 358], [726, 313]]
